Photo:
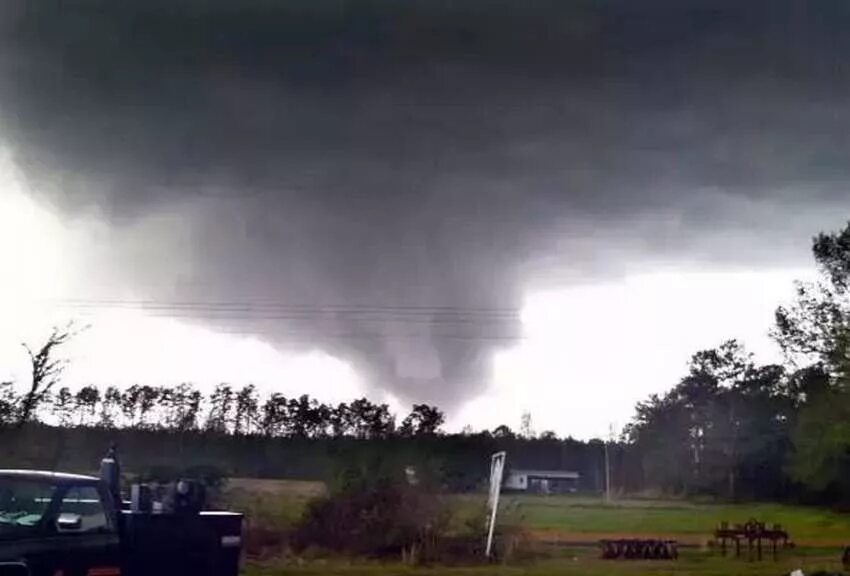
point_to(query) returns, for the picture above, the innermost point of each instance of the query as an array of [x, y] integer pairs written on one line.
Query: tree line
[[226, 410], [729, 427], [734, 428]]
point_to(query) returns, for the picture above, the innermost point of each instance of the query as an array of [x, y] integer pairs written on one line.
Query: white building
[[542, 481]]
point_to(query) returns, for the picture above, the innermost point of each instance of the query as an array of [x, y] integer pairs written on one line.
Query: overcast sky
[[492, 206]]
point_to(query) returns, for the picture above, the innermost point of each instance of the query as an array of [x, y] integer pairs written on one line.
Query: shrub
[[377, 517]]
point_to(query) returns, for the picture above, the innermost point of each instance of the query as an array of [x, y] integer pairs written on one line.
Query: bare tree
[[45, 372], [86, 400], [275, 415], [148, 398], [221, 409], [63, 406], [130, 403], [8, 403], [423, 420], [246, 413], [110, 404]]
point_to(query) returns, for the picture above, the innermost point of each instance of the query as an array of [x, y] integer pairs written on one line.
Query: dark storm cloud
[[428, 153]]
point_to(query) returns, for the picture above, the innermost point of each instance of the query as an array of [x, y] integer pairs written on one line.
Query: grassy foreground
[[564, 522], [552, 517], [691, 522], [577, 562]]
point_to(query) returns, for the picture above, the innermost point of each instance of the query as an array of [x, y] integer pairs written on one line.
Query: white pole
[[608, 464], [607, 476], [497, 466]]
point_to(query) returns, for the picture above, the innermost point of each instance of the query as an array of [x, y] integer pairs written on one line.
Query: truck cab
[[57, 524]]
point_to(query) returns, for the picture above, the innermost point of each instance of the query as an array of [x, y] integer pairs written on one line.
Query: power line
[[280, 306], [377, 336], [300, 314], [324, 333], [308, 323]]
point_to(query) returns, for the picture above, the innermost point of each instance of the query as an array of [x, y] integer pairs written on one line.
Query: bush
[[269, 519], [378, 518]]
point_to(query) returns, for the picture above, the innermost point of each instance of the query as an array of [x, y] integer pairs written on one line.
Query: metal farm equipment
[[753, 533], [639, 549]]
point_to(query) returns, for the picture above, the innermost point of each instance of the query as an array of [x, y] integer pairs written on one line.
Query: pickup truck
[[57, 524]]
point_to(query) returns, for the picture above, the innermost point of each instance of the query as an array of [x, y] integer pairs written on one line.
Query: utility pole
[[607, 476], [608, 465]]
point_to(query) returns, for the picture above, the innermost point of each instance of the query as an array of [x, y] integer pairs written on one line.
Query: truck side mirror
[[69, 522]]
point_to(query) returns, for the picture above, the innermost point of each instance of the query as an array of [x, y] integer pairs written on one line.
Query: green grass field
[[575, 562], [684, 520], [271, 503], [559, 523]]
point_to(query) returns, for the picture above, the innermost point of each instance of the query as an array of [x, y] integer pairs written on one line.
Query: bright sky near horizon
[[493, 207], [587, 353], [497, 208]]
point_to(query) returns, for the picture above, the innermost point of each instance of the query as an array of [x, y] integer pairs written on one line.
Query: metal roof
[[564, 474], [45, 476]]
